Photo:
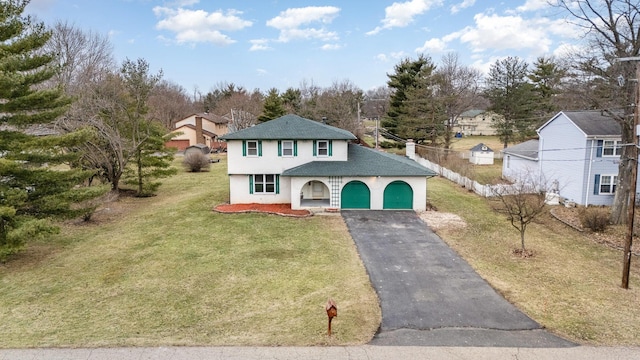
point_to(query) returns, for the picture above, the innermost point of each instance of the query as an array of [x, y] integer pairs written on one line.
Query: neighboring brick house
[[309, 164]]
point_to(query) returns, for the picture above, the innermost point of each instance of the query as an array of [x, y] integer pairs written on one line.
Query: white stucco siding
[[240, 193], [271, 163], [564, 157], [376, 186]]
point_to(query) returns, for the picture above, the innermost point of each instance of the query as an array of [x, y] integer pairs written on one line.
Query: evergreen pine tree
[[31, 191], [273, 106]]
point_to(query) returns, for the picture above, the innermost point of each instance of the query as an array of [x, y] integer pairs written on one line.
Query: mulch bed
[[277, 209]]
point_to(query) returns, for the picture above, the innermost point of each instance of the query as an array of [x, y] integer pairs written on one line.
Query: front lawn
[[571, 285], [167, 270]]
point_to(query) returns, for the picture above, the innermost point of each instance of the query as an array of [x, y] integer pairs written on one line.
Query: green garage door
[[355, 195], [398, 195]]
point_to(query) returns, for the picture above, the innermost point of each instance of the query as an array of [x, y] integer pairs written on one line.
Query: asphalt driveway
[[429, 295]]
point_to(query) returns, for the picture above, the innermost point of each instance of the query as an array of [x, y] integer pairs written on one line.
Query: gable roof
[[290, 127], [205, 132], [362, 161], [472, 113], [481, 147], [526, 150], [590, 122]]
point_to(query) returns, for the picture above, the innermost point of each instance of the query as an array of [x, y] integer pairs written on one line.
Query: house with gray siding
[[578, 151]]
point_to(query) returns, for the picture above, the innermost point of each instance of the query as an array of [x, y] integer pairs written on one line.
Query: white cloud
[[463, 5], [531, 5], [402, 14], [393, 56], [193, 26], [331, 47], [495, 32], [433, 46], [295, 23], [259, 44]]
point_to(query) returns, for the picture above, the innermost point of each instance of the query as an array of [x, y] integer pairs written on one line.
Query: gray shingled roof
[[290, 127], [594, 123], [362, 161], [480, 147], [472, 113], [527, 150]]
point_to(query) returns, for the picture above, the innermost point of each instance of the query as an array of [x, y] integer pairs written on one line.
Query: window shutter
[[250, 184], [279, 147], [277, 184], [259, 147], [596, 185], [599, 150], [315, 148], [330, 147], [295, 147], [244, 147]]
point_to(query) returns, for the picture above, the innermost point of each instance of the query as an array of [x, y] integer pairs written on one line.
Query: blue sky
[[278, 43]]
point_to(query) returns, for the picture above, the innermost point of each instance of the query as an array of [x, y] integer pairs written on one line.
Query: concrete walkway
[[367, 352], [429, 295]]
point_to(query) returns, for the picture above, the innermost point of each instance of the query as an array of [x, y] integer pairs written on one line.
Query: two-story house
[[310, 164], [201, 128], [578, 151], [475, 122]]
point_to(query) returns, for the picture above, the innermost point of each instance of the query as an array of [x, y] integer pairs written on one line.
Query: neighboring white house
[[481, 154], [309, 164], [475, 122], [578, 151]]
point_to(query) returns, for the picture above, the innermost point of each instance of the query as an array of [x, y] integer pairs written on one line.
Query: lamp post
[[626, 265]]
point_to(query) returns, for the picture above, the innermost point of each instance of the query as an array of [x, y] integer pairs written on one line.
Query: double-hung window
[[252, 148], [264, 184], [611, 148], [322, 148], [287, 148], [608, 184]]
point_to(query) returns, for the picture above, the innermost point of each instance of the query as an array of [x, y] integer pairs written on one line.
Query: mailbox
[[332, 311]]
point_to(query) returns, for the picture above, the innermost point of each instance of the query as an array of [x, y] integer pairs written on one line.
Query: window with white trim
[[264, 184], [323, 148], [608, 184], [252, 148], [611, 148], [287, 148]]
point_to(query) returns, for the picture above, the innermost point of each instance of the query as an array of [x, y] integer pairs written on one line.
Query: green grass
[[571, 286], [167, 270]]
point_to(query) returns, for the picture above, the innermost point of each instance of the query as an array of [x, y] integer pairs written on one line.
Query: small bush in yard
[[196, 162], [594, 219]]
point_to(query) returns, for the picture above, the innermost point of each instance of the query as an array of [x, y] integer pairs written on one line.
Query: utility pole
[[626, 265]]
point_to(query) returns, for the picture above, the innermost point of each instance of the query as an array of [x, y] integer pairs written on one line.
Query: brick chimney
[[199, 134], [410, 150]]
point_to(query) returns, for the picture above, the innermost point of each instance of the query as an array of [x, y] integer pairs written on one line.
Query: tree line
[[111, 120]]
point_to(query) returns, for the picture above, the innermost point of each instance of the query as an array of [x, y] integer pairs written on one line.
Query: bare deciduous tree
[[611, 28], [82, 56], [458, 90], [522, 202], [169, 103]]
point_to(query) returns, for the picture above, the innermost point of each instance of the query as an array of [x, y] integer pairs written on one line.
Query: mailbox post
[[332, 311]]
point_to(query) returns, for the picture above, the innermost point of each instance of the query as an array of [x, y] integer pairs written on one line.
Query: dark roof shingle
[[290, 127], [362, 162]]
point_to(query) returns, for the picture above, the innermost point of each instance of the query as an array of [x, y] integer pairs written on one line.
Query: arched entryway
[[355, 195], [314, 194], [398, 195]]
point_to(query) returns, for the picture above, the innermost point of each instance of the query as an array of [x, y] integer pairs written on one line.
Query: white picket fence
[[480, 189]]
